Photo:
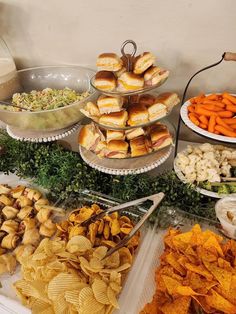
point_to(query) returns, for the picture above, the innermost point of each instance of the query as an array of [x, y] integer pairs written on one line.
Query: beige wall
[[185, 35]]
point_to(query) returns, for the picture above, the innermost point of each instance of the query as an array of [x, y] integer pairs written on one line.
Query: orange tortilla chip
[[206, 255], [199, 270], [185, 291], [172, 259], [223, 276], [213, 245], [180, 306], [171, 284], [218, 302], [199, 284], [203, 304]]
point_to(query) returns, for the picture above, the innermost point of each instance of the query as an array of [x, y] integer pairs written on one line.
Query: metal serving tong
[[155, 198]]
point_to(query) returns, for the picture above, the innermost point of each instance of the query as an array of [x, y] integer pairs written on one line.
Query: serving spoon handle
[[5, 103]]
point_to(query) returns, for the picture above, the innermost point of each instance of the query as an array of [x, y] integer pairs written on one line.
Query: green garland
[[64, 173]]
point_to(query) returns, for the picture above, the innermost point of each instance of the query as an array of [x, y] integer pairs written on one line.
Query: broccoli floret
[[232, 188], [224, 189], [206, 185]]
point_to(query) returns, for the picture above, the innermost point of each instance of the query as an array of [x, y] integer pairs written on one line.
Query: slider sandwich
[[115, 135], [147, 99], [156, 111], [90, 136], [138, 114], [168, 99], [160, 137], [117, 149], [109, 62], [133, 133], [155, 75], [91, 111], [117, 119], [105, 80], [129, 81], [139, 146], [101, 149], [108, 104], [143, 62]]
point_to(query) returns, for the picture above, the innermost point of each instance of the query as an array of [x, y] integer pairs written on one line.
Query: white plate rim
[[192, 126]]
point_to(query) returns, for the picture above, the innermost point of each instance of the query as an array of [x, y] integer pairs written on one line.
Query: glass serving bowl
[[127, 93], [57, 77]]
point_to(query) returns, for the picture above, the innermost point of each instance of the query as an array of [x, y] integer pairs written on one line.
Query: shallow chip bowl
[[57, 77]]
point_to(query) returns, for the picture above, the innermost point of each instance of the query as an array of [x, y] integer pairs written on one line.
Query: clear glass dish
[[127, 93], [58, 77]]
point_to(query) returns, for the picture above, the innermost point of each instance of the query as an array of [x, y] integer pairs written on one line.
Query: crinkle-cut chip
[[172, 259], [72, 296], [100, 252], [115, 227], [67, 256], [218, 302], [93, 229], [115, 277], [200, 269], [213, 245], [61, 283], [34, 289], [106, 231], [22, 251], [115, 287], [78, 244], [60, 305], [57, 266], [86, 267], [112, 261], [180, 306], [109, 309], [223, 276], [108, 243], [112, 298], [95, 263], [7, 263], [125, 256], [91, 305], [119, 269], [84, 294], [39, 306], [39, 256], [99, 288]]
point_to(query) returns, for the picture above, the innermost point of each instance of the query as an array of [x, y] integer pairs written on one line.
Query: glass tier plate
[[127, 93]]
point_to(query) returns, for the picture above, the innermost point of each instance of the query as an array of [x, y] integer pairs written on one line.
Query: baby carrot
[[210, 107], [192, 101], [212, 123], [230, 97], [225, 131], [203, 126], [191, 108], [226, 101], [203, 119], [217, 132], [231, 108], [212, 97], [204, 112], [221, 122], [225, 114], [215, 103], [194, 119], [230, 121], [233, 126]]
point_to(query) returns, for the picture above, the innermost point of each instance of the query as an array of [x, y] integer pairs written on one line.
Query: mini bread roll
[[120, 72], [109, 62], [130, 82], [10, 241], [17, 191], [168, 99], [117, 149], [143, 62], [114, 118], [138, 146], [89, 136], [10, 226], [133, 133], [10, 212], [100, 149], [115, 135], [108, 104], [155, 75], [105, 81], [33, 195], [42, 201], [23, 201], [147, 99], [5, 200], [91, 111], [138, 114], [160, 137], [25, 212], [157, 111]]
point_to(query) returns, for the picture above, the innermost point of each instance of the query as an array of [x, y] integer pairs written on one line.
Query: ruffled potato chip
[[78, 244], [99, 288]]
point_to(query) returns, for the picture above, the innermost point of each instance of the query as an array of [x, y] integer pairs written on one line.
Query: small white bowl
[[228, 228]]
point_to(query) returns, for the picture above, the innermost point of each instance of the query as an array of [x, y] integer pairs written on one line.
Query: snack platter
[[184, 113]]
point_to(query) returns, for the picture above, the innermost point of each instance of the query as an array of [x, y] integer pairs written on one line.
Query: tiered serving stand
[[131, 165]]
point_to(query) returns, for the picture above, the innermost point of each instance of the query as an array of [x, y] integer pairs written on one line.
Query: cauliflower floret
[[225, 169], [206, 147], [190, 177], [197, 151], [213, 175], [189, 149], [182, 161], [202, 176], [234, 155], [226, 154]]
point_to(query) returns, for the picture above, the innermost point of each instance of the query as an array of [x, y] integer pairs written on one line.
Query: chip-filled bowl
[[56, 77]]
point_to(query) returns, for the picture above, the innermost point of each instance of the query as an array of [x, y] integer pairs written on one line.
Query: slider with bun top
[[91, 111], [108, 104], [138, 114], [138, 146], [105, 80], [133, 133], [143, 62], [147, 99], [157, 111], [168, 99], [109, 62], [115, 135], [117, 119], [101, 149], [89, 136], [129, 82], [155, 75], [117, 149], [160, 136]]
